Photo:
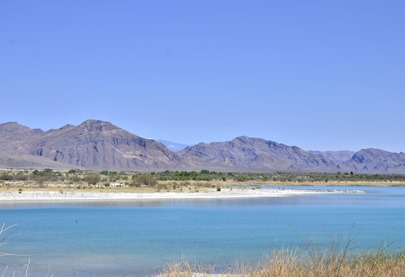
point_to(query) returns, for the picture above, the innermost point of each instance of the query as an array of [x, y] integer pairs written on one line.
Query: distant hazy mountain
[[336, 156], [376, 160], [174, 146], [245, 153], [100, 145]]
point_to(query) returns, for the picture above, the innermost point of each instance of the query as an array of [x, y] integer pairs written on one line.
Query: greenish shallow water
[[138, 238]]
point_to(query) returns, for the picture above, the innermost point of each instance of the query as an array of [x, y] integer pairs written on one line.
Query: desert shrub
[[75, 179], [134, 183], [5, 176], [241, 178], [92, 178], [160, 187], [39, 179], [21, 176], [144, 179]]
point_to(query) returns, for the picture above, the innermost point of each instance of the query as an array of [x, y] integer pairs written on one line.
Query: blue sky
[[327, 75]]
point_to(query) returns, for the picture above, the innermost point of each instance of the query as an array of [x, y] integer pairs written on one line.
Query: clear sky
[[322, 75]]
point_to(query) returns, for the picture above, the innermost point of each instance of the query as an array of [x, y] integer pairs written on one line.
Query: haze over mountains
[[99, 145], [174, 146]]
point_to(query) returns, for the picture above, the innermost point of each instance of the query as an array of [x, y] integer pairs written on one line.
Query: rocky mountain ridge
[[99, 145], [254, 154], [335, 156], [93, 144]]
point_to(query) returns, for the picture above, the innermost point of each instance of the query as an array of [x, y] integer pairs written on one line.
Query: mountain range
[[98, 145]]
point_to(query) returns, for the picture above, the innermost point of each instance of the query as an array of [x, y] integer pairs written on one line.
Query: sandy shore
[[105, 196]]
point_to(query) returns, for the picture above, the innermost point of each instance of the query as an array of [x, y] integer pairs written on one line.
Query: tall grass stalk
[[5, 233]]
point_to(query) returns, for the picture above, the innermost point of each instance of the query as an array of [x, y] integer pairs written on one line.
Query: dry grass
[[185, 269], [291, 263], [311, 261]]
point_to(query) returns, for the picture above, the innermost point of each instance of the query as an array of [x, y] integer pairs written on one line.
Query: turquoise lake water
[[138, 238]]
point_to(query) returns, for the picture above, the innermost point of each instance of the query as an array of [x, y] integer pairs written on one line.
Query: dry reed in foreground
[[288, 263]]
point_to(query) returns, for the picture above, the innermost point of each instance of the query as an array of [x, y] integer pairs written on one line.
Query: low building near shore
[[117, 185]]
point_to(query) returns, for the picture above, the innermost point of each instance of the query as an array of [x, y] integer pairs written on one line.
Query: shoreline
[[72, 196]]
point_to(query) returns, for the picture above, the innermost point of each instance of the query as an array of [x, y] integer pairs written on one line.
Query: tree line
[[105, 177]]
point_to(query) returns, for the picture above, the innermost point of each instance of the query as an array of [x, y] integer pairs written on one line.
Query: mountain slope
[[376, 161], [244, 153], [15, 140], [101, 145], [336, 156], [14, 137], [93, 144], [30, 161]]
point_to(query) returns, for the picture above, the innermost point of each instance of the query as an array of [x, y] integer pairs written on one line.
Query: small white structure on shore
[[117, 185]]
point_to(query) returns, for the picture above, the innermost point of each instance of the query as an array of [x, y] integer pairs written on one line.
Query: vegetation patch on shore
[[337, 260], [291, 263], [178, 181]]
